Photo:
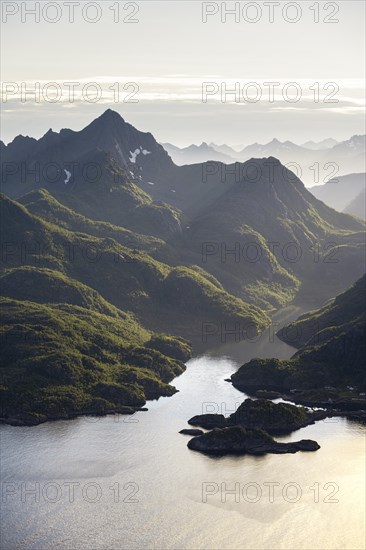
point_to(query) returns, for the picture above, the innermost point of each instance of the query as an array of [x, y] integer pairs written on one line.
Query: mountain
[[97, 171], [42, 204], [357, 207], [311, 161], [76, 310], [111, 247], [344, 157], [267, 239], [225, 149], [174, 211], [353, 146], [341, 191], [121, 175], [194, 154], [285, 151], [320, 145], [349, 155], [62, 360], [163, 298], [313, 164], [332, 350], [109, 133], [330, 321]]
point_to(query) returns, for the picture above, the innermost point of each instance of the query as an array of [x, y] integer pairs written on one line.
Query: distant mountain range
[[319, 145], [317, 161], [357, 206], [345, 193], [198, 153]]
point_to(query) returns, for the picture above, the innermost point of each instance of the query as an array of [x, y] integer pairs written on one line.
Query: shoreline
[[29, 422]]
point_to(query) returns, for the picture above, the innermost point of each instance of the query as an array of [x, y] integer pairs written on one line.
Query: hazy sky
[[169, 52]]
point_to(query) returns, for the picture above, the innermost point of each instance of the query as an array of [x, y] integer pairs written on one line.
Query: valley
[[182, 275], [218, 256]]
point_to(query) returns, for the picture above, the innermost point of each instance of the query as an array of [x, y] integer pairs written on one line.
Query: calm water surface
[[131, 482]]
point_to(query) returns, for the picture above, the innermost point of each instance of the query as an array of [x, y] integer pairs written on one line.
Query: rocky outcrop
[[191, 431], [274, 418], [262, 414], [208, 421], [238, 440]]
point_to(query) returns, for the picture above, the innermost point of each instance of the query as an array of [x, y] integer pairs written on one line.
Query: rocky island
[[238, 440], [250, 428], [262, 414]]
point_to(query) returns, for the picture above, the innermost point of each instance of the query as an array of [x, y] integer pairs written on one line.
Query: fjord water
[[130, 482]]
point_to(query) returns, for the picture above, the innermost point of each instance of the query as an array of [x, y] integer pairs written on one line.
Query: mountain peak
[[49, 134], [110, 115]]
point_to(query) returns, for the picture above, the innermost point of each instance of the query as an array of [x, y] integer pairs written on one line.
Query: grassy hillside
[[164, 299], [42, 204], [101, 189], [269, 240], [332, 352], [319, 325], [47, 286], [60, 360]]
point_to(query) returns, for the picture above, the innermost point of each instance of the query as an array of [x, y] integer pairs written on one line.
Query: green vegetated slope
[[60, 360], [115, 198], [85, 318], [42, 204], [316, 327], [164, 299], [332, 349], [270, 241]]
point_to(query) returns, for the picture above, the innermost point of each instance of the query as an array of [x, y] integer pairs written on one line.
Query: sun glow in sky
[[234, 72]]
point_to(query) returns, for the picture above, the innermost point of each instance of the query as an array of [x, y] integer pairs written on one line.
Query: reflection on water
[[131, 482]]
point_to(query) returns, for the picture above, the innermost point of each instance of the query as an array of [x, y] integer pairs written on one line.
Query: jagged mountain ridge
[[210, 202], [317, 161], [277, 209]]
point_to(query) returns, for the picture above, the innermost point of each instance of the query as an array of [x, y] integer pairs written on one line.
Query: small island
[[262, 414], [238, 440], [250, 429]]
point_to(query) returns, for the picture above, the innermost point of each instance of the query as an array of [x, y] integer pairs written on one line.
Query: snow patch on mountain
[[68, 176], [136, 152], [134, 155]]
